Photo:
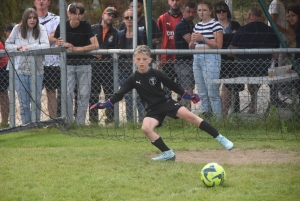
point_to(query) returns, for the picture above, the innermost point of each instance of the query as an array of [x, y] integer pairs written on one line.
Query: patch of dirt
[[236, 156]]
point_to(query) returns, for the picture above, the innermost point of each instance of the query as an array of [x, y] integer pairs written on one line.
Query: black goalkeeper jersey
[[149, 87]]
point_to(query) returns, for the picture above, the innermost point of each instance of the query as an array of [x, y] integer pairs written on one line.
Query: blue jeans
[[206, 67], [23, 88], [82, 75], [123, 76]]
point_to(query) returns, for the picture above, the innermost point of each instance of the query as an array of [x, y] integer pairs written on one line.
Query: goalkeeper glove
[[194, 97], [100, 105]]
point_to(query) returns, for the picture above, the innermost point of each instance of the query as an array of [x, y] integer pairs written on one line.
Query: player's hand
[[100, 105], [195, 98], [97, 105]]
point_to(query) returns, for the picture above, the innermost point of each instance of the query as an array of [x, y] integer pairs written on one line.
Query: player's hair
[[142, 49], [222, 5], [189, 5], [74, 6], [24, 25]]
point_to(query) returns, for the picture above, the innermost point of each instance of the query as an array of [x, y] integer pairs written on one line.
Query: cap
[[111, 10]]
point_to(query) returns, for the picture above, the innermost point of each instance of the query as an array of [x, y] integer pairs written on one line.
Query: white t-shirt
[[50, 22], [23, 63], [277, 7]]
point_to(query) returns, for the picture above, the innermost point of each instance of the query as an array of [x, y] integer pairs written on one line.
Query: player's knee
[[146, 129]]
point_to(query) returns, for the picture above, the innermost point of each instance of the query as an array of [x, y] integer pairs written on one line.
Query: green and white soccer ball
[[212, 174]]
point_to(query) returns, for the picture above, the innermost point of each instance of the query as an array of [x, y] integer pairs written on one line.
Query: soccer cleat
[[165, 156], [227, 144]]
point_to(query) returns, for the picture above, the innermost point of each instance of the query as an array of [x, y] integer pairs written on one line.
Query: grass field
[[44, 164]]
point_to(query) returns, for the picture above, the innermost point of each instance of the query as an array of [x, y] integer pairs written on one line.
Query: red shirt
[[166, 24], [3, 60]]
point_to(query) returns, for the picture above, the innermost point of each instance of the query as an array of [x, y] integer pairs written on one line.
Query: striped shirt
[[208, 29]]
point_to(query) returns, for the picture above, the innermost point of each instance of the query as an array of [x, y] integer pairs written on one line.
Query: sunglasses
[[128, 17], [219, 11]]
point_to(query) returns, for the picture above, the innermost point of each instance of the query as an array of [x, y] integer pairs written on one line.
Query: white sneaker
[[227, 144], [165, 156]]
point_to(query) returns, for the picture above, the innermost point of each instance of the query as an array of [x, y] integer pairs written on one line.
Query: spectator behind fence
[[125, 63], [4, 81], [278, 14], [184, 63], [28, 35], [102, 68], [141, 22], [148, 83], [80, 38], [208, 34], [166, 24], [223, 15], [294, 20], [51, 80], [255, 34]]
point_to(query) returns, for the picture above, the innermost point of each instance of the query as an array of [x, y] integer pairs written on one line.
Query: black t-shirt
[[182, 28], [253, 36], [227, 37], [149, 87], [78, 37]]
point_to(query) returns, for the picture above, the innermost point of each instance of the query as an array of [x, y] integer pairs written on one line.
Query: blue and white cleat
[[166, 156], [227, 144]]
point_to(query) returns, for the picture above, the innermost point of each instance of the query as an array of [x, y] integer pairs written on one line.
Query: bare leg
[[52, 103], [226, 100], [187, 115], [205, 126], [4, 107], [148, 128]]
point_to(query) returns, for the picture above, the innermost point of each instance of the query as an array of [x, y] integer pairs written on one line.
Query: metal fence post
[[33, 84], [63, 59], [116, 86], [12, 95]]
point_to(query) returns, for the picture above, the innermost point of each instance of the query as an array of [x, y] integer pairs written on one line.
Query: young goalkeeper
[[148, 84]]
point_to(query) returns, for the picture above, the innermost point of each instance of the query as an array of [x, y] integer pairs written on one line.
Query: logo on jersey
[[138, 82], [152, 81], [170, 34], [110, 39], [176, 104], [141, 28], [168, 23]]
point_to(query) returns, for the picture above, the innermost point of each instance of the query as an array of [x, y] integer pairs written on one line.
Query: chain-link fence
[[228, 88], [234, 94]]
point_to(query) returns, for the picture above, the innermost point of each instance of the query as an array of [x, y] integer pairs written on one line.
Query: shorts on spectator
[[4, 79], [51, 77], [184, 71]]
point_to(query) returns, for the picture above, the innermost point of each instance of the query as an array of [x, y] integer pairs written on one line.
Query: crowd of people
[[88, 75]]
